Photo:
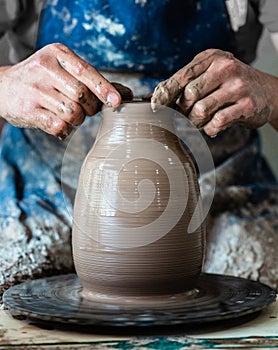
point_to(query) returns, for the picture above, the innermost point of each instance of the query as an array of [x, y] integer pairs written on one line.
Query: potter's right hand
[[53, 90]]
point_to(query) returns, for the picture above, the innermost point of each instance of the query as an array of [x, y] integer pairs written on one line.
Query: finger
[[73, 89], [195, 90], [70, 112], [202, 86], [223, 119], [125, 92], [204, 109], [168, 91], [49, 122], [88, 75], [244, 111], [63, 107]]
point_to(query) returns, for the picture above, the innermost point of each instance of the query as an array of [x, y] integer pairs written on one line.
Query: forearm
[[2, 120], [3, 68], [271, 93], [273, 120]]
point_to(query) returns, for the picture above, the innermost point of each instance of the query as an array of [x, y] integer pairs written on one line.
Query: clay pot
[[136, 196]]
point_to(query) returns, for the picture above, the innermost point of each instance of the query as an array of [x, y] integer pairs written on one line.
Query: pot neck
[[136, 113]]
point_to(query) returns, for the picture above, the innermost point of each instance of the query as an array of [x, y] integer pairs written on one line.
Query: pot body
[[136, 196]]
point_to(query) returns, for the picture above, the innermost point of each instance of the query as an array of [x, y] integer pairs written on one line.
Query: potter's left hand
[[216, 90]]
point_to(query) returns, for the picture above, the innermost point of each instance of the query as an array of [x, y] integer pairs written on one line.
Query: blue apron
[[153, 37]]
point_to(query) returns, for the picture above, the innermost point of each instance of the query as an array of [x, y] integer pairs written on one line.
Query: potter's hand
[[53, 90], [216, 90]]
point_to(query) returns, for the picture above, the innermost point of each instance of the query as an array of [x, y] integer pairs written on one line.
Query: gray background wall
[[268, 62]]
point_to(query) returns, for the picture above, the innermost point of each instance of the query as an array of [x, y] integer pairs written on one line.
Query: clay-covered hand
[[53, 90], [216, 90]]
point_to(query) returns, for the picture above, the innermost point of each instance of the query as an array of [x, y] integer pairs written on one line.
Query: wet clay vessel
[[138, 237], [134, 209]]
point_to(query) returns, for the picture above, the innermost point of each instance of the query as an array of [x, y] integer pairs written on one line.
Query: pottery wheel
[[57, 299]]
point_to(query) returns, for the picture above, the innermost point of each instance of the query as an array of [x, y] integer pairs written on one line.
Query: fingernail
[[65, 133], [112, 99]]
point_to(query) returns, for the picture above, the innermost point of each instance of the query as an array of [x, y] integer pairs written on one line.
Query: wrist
[[3, 89], [270, 82]]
